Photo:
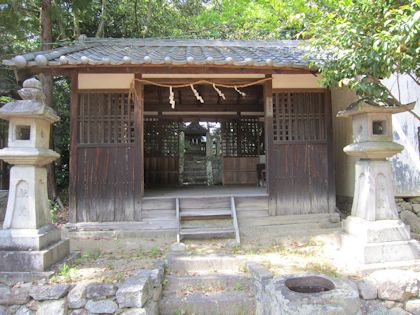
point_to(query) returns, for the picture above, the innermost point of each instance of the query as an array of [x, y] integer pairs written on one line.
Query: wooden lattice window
[[161, 137], [105, 118], [299, 117], [242, 137]]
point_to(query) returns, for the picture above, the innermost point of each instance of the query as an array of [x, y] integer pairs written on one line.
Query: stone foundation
[[408, 210]]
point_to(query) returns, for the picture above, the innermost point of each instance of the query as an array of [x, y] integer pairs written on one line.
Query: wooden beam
[[268, 128], [139, 147], [73, 149]]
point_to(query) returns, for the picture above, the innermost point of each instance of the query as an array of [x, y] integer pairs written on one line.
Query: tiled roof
[[125, 51]]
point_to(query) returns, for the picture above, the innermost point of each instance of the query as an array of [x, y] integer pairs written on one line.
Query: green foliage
[[88, 256], [155, 252], [363, 41], [61, 132], [6, 99], [254, 19], [54, 207], [66, 271]]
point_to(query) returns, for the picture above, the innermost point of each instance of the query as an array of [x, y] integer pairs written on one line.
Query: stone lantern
[[28, 240], [373, 233]]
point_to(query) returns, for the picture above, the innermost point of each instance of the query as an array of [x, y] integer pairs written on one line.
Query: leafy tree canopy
[[361, 42]]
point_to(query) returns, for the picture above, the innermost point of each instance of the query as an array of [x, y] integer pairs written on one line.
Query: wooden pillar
[[74, 103], [330, 149], [139, 147], [268, 127]]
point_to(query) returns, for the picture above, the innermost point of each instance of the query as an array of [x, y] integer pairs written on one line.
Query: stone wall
[[409, 210], [138, 294]]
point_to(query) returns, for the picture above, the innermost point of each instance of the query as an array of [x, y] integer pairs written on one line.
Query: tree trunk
[[62, 35], [101, 28], [148, 18], [47, 85], [76, 23]]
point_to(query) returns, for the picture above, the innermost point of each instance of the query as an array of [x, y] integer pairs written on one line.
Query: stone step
[[178, 285], [206, 264], [193, 214], [208, 304], [207, 232]]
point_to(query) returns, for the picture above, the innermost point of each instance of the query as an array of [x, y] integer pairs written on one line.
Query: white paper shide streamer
[[171, 97], [198, 97], [240, 92], [219, 92]]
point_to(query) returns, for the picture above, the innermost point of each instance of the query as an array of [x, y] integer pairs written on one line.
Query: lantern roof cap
[[370, 105]]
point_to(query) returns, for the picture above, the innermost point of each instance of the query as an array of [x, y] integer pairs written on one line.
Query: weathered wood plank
[[138, 174], [205, 203], [301, 177], [73, 149], [269, 144], [158, 204]]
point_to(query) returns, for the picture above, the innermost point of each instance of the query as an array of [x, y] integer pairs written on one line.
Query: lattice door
[[300, 164], [242, 137]]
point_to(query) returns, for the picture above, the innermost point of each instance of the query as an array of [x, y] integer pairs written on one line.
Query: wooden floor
[[206, 191]]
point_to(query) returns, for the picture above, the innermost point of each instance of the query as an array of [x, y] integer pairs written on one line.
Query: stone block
[[98, 291], [416, 208], [413, 306], [367, 289], [406, 206], [23, 310], [134, 292], [101, 306], [395, 285], [258, 272], [410, 218], [373, 307], [376, 231], [398, 311], [27, 207], [77, 296], [29, 239], [372, 253], [3, 310], [374, 196], [49, 292], [81, 311], [56, 307], [13, 296], [18, 261], [135, 311]]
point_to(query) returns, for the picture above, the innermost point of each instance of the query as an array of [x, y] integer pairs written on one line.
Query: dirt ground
[[281, 257]]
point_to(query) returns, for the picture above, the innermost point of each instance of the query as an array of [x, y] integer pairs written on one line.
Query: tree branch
[[414, 79]]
